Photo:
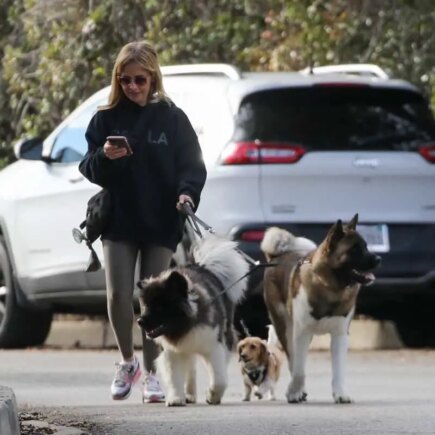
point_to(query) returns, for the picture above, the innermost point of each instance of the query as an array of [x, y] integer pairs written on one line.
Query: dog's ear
[[177, 283], [335, 234], [263, 351], [239, 349], [353, 223], [143, 285], [240, 344]]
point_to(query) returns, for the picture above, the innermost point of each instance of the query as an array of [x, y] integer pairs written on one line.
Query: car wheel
[[19, 327]]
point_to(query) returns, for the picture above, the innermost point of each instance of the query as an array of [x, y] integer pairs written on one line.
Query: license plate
[[376, 237]]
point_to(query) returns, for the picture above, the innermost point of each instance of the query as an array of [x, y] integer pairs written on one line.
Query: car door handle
[[76, 179]]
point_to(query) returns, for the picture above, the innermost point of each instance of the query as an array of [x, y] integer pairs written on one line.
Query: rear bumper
[[420, 283]]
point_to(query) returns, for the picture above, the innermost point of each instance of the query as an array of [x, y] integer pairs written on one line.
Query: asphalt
[[84, 333]]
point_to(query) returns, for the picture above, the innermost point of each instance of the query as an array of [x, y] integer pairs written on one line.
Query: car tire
[[19, 327]]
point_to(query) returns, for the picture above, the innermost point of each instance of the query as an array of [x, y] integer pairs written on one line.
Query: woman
[[164, 170]]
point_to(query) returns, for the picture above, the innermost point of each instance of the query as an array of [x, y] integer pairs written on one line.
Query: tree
[[57, 52]]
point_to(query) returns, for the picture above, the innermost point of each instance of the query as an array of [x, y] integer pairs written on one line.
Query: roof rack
[[364, 69], [225, 69]]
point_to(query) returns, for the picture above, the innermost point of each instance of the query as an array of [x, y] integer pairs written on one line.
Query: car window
[[337, 118], [70, 144]]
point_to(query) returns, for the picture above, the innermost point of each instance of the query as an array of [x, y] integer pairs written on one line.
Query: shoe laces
[[152, 383], [123, 371]]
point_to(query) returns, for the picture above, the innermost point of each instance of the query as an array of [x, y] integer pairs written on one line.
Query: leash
[[237, 281], [195, 222], [245, 328]]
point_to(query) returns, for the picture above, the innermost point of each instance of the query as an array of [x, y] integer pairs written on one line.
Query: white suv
[[298, 150]]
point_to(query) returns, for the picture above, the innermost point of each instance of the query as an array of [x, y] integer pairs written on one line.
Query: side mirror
[[28, 149]]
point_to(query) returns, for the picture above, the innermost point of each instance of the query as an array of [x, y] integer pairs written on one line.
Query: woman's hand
[[113, 152], [182, 199]]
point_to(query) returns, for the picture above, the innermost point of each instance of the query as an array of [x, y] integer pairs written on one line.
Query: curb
[[9, 424], [364, 334]]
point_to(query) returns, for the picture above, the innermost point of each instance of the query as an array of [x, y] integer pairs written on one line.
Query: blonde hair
[[144, 54]]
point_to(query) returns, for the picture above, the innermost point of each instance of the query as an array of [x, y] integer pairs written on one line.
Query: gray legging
[[120, 260]]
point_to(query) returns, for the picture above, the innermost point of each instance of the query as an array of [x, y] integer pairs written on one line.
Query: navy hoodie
[[144, 187]]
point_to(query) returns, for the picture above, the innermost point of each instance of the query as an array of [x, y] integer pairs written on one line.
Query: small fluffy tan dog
[[260, 364]]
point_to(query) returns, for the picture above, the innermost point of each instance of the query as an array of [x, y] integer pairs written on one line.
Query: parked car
[[293, 149]]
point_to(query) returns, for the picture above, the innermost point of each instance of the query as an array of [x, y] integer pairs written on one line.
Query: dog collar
[[256, 376]]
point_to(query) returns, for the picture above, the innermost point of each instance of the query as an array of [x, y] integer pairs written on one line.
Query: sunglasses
[[137, 80]]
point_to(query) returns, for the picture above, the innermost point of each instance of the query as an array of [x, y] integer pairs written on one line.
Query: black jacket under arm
[[166, 162]]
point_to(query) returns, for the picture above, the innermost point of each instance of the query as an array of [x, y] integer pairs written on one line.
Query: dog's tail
[[277, 241], [221, 257]]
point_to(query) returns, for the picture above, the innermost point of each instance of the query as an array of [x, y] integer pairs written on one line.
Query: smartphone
[[120, 141]]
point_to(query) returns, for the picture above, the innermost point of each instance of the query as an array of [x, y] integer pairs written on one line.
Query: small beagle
[[260, 364]]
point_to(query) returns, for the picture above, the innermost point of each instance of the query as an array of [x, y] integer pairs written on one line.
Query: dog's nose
[[377, 260]]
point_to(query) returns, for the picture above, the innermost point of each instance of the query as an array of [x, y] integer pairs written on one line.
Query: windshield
[[337, 118]]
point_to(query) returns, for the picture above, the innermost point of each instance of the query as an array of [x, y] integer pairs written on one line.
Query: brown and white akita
[[318, 296]]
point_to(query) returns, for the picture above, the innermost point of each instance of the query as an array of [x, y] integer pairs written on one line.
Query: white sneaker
[[152, 392], [127, 374]]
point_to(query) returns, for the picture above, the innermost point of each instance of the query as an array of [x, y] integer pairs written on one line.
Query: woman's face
[[135, 82]]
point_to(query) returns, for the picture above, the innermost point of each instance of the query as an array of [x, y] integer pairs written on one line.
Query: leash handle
[[194, 220], [186, 209]]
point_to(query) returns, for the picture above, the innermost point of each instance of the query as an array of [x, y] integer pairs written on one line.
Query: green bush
[[55, 53]]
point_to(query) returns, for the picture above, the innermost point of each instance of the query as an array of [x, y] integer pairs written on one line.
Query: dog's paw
[[298, 397], [212, 401], [258, 395], [190, 398], [296, 392], [213, 397], [342, 399], [246, 399], [175, 401]]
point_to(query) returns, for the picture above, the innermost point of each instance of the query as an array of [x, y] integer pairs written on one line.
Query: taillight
[[257, 152], [252, 236], [428, 152]]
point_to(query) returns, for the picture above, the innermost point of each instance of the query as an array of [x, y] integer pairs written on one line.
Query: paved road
[[394, 393]]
